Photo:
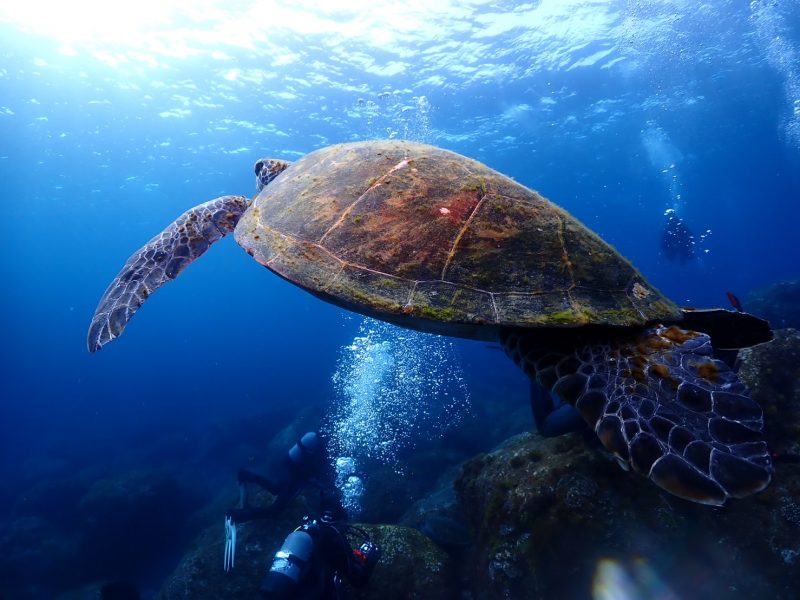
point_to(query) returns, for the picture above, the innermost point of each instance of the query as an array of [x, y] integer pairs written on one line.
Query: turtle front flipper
[[660, 402], [159, 261]]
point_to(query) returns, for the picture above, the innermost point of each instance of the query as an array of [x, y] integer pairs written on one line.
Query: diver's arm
[[252, 513], [268, 483]]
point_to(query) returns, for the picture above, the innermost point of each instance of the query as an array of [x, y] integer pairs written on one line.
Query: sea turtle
[[431, 240]]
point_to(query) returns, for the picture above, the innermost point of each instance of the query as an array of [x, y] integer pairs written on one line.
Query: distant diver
[[677, 241]]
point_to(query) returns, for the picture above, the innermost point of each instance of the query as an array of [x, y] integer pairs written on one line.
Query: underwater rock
[[106, 590], [779, 304], [390, 492], [40, 539], [71, 532], [122, 516], [37, 559], [553, 518], [55, 499], [440, 517], [411, 566], [495, 415], [772, 373]]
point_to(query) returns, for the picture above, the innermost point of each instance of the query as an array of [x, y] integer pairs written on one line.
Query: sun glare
[[147, 34], [92, 22], [112, 24]]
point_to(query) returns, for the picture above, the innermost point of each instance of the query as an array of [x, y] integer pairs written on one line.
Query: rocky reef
[[772, 372], [552, 516]]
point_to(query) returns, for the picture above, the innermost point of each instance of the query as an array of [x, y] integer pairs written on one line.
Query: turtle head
[[268, 169]]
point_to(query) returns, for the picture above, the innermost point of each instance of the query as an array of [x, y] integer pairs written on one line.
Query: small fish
[[735, 303]]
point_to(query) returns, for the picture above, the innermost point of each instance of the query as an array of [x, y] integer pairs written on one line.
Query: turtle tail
[[659, 402], [159, 261]]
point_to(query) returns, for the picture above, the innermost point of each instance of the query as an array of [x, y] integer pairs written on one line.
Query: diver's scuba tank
[[288, 566], [306, 449], [315, 557]]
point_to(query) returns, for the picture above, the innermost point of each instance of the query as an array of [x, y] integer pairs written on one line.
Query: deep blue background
[[98, 154]]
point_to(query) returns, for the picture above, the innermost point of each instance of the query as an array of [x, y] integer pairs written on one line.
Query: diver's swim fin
[[230, 544], [230, 530]]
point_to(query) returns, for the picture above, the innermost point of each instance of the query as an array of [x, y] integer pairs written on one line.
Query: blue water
[[112, 124]]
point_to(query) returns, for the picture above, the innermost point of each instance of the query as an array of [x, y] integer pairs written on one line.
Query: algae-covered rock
[[554, 518], [412, 566], [772, 372], [440, 516]]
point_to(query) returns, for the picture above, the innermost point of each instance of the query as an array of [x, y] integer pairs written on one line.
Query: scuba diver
[[677, 241], [315, 560], [305, 464]]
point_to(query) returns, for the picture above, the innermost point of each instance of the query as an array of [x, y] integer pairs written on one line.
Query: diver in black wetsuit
[[677, 241], [305, 464]]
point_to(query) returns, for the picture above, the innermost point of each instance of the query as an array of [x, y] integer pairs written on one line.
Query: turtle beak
[[261, 181], [268, 169]]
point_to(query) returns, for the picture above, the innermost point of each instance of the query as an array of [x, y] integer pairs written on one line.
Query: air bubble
[[393, 387]]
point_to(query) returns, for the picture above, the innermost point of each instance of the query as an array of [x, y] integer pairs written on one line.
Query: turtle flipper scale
[[661, 403], [159, 261]]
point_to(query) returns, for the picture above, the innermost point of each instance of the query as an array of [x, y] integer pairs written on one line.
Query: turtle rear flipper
[[161, 260], [660, 402]]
